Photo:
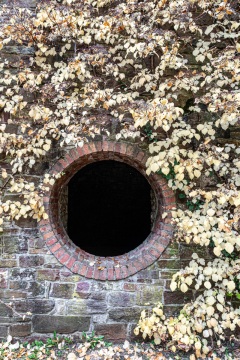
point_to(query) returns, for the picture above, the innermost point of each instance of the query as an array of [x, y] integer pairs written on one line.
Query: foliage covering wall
[[162, 72]]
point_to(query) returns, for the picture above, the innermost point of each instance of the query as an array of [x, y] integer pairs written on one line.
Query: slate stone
[[113, 332], [37, 306], [121, 299], [62, 291], [5, 310], [126, 315], [20, 330], [60, 324], [3, 331]]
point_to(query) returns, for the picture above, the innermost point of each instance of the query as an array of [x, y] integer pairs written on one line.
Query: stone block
[[22, 274], [186, 251], [62, 291], [96, 306], [47, 274], [26, 223], [22, 3], [121, 299], [177, 297], [20, 330], [11, 245], [5, 310], [30, 260], [8, 263], [77, 307], [10, 294], [171, 251], [172, 310], [83, 286], [112, 332], [3, 279], [36, 306], [129, 287], [125, 315], [60, 324], [3, 331], [33, 288], [169, 264], [149, 295]]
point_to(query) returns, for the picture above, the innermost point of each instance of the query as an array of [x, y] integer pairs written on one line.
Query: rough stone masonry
[[37, 273]]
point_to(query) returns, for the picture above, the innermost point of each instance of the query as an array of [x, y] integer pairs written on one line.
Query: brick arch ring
[[89, 265]]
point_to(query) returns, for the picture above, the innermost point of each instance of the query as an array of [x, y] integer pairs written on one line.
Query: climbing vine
[[167, 73]]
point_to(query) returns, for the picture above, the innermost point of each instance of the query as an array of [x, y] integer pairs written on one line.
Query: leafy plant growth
[[147, 65]]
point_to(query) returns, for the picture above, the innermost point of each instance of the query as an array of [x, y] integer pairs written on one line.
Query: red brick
[[64, 163], [83, 269], [117, 147], [76, 267], [69, 159], [65, 258], [103, 274], [124, 272], [45, 228], [110, 275], [159, 246], [123, 148], [70, 262], [43, 223], [48, 235], [51, 241], [90, 271], [55, 247], [117, 273], [111, 145], [86, 149], [92, 146], [140, 156], [59, 253], [75, 153], [98, 145], [80, 151]]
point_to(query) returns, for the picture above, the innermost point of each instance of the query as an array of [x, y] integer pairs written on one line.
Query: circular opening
[[109, 208]]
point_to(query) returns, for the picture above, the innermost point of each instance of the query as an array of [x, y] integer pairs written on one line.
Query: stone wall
[[61, 299]]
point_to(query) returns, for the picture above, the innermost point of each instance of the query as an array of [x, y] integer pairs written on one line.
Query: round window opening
[[104, 213], [108, 208]]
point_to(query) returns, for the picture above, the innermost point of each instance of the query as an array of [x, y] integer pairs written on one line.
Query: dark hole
[[109, 208]]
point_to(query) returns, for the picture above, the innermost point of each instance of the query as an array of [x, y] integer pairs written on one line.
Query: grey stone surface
[[62, 290], [124, 315], [60, 324], [3, 331], [36, 306]]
